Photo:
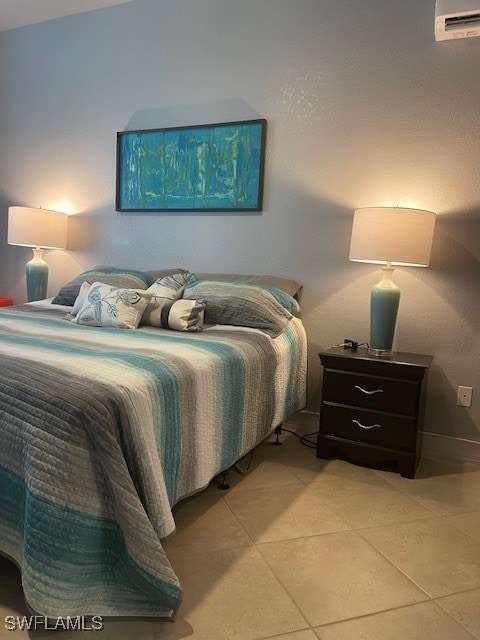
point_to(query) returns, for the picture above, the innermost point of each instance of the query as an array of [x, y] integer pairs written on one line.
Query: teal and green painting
[[203, 168]]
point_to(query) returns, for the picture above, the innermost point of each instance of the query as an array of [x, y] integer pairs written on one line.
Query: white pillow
[[107, 306], [170, 287], [180, 315], [80, 299]]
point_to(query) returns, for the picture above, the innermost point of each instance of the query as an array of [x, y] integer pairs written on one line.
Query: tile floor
[[302, 549]]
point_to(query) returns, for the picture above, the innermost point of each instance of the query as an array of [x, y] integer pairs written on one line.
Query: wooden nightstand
[[372, 407]]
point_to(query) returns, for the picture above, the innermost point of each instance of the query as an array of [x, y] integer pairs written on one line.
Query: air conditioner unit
[[456, 19]]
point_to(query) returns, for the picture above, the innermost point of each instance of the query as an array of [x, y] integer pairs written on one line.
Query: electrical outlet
[[464, 396]]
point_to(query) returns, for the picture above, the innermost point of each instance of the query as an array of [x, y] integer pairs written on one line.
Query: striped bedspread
[[103, 430]]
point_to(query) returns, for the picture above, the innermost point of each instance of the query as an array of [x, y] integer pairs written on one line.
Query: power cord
[[304, 439], [352, 344], [311, 444]]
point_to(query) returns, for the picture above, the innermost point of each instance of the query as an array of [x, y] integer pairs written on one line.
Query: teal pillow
[[119, 278], [287, 302], [147, 278], [239, 304]]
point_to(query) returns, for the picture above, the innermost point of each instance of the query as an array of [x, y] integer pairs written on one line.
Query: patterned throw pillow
[[120, 278], [180, 315], [107, 306], [239, 304], [170, 287]]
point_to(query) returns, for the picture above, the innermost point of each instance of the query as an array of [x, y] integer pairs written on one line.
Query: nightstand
[[372, 407]]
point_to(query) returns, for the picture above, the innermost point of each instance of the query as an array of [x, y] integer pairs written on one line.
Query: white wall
[[363, 109]]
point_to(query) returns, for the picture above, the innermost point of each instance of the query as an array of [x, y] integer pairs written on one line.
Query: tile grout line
[[272, 571], [285, 590], [358, 530], [286, 634], [237, 521], [432, 598], [393, 564], [353, 528], [366, 615], [440, 515], [428, 598], [310, 626], [396, 524], [414, 498], [450, 615], [405, 606], [375, 613], [453, 515]]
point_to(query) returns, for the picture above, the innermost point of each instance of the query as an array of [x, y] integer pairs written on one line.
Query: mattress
[[104, 430]]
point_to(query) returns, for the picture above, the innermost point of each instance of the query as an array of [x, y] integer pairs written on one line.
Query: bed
[[104, 430]]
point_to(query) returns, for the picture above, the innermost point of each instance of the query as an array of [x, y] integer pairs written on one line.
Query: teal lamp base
[[37, 276], [384, 301]]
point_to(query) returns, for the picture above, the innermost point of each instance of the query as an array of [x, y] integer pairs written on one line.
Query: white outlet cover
[[464, 396]]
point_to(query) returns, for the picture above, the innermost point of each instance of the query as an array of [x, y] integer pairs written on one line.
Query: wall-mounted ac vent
[[460, 22], [456, 19]]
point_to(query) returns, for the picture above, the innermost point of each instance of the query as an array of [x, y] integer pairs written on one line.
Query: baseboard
[[435, 445]]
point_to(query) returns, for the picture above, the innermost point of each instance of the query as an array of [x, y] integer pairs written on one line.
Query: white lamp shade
[[30, 227], [392, 234]]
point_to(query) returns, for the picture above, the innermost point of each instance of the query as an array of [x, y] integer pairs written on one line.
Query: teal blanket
[[103, 430]]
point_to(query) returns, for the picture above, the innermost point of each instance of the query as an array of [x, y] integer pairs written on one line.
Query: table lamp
[[39, 229], [389, 236]]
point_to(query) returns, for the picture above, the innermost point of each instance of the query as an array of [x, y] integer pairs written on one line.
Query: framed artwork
[[212, 167]]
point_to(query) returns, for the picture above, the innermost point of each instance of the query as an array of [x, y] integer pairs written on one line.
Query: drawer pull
[[368, 393], [367, 426]]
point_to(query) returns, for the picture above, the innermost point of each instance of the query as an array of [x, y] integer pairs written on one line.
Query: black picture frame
[[209, 167]]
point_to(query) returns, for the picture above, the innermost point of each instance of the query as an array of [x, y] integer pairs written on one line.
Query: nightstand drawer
[[370, 392], [370, 427]]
